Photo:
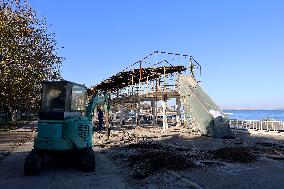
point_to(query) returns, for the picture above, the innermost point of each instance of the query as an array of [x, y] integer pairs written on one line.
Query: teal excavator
[[64, 126]]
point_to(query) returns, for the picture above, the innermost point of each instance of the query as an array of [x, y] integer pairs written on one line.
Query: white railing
[[258, 125], [144, 88]]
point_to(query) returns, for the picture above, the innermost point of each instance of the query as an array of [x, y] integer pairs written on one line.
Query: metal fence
[[258, 125]]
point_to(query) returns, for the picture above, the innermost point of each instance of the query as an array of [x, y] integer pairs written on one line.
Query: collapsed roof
[[126, 78]]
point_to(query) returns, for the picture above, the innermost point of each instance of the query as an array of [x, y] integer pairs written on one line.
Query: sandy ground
[[175, 158], [56, 173], [60, 173], [10, 140]]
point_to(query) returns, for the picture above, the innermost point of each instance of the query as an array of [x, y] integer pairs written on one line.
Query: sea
[[255, 114]]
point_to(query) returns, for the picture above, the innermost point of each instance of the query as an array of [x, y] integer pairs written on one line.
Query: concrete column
[[153, 111], [165, 119], [121, 117], [137, 111], [178, 117]]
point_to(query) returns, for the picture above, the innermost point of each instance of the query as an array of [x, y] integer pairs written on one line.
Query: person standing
[[100, 118]]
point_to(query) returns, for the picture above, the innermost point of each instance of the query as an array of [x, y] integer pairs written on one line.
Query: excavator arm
[[97, 98], [91, 106]]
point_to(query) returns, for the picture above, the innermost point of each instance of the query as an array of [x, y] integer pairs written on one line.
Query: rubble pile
[[151, 158], [128, 135], [143, 152], [271, 150], [235, 154]]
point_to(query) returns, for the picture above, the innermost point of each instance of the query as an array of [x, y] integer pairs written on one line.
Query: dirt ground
[[148, 157], [10, 140], [177, 158]]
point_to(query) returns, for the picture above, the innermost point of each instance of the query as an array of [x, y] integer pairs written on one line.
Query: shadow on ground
[[150, 158]]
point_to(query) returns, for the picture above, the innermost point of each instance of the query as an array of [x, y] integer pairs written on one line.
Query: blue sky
[[239, 43]]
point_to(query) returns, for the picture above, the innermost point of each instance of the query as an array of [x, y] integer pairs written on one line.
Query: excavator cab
[[61, 100], [63, 126]]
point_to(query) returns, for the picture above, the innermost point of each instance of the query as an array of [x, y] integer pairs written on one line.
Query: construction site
[[152, 82], [160, 130]]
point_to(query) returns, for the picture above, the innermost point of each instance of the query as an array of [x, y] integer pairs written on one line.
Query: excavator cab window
[[53, 97], [62, 100], [78, 98]]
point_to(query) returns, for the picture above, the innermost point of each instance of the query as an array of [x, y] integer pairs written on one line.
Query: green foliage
[[27, 55]]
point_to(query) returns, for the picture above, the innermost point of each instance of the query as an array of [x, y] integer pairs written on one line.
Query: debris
[[275, 157], [149, 162], [235, 155], [270, 145], [238, 141], [146, 157], [211, 163], [271, 150]]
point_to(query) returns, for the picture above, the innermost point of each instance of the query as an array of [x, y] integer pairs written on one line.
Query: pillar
[[178, 117], [164, 105], [137, 111], [107, 123], [153, 112], [121, 117]]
